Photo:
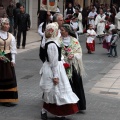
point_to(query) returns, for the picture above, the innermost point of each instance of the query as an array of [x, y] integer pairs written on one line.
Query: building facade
[[32, 6]]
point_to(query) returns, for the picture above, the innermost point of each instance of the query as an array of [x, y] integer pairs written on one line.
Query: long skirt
[[77, 87], [58, 99], [61, 110], [106, 45], [8, 85], [90, 46]]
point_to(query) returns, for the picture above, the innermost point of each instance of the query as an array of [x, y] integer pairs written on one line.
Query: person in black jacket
[[15, 13], [23, 24]]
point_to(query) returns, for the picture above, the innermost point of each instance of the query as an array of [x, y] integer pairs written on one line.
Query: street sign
[[48, 5]]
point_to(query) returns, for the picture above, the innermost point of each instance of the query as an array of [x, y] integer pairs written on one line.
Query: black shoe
[[44, 116], [110, 56], [8, 104], [18, 47], [115, 56], [89, 52]]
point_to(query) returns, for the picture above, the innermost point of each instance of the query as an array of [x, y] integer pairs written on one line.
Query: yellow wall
[[105, 1], [88, 2], [80, 2]]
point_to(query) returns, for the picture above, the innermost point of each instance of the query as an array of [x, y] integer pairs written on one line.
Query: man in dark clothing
[[69, 10], [10, 9], [23, 24], [85, 13], [16, 11], [42, 16], [2, 11]]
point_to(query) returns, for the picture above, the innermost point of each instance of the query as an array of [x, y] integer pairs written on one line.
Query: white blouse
[[66, 40], [13, 49], [74, 25], [52, 51], [91, 38]]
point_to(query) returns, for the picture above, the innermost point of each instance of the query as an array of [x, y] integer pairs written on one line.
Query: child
[[74, 24], [113, 42], [106, 42], [90, 43]]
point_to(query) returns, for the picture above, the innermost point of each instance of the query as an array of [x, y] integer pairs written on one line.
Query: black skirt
[[8, 84], [77, 87]]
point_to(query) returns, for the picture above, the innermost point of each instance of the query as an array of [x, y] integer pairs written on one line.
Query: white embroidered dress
[[100, 22], [91, 38], [80, 23], [75, 25], [61, 93]]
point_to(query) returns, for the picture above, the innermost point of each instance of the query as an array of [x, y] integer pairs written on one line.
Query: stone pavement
[[109, 84]]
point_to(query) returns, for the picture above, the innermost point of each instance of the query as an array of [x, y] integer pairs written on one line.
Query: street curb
[[100, 75]]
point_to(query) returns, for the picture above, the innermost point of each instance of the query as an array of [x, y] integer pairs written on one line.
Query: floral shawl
[[75, 49]]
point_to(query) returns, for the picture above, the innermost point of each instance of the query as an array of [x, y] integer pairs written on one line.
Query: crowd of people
[[60, 52], [102, 17], [19, 21], [97, 20], [60, 43]]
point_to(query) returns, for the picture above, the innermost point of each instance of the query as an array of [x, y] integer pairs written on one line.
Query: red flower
[[67, 21], [107, 27], [69, 49], [66, 65], [76, 42]]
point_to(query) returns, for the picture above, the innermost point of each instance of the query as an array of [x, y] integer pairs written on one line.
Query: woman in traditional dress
[[79, 18], [72, 52], [100, 23], [90, 43], [58, 97], [8, 84], [74, 24]]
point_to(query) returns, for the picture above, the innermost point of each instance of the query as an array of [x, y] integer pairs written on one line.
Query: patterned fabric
[[52, 30], [48, 5], [75, 49], [3, 21]]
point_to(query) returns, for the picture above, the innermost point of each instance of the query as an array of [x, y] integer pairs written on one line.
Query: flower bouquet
[[67, 69], [5, 59]]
